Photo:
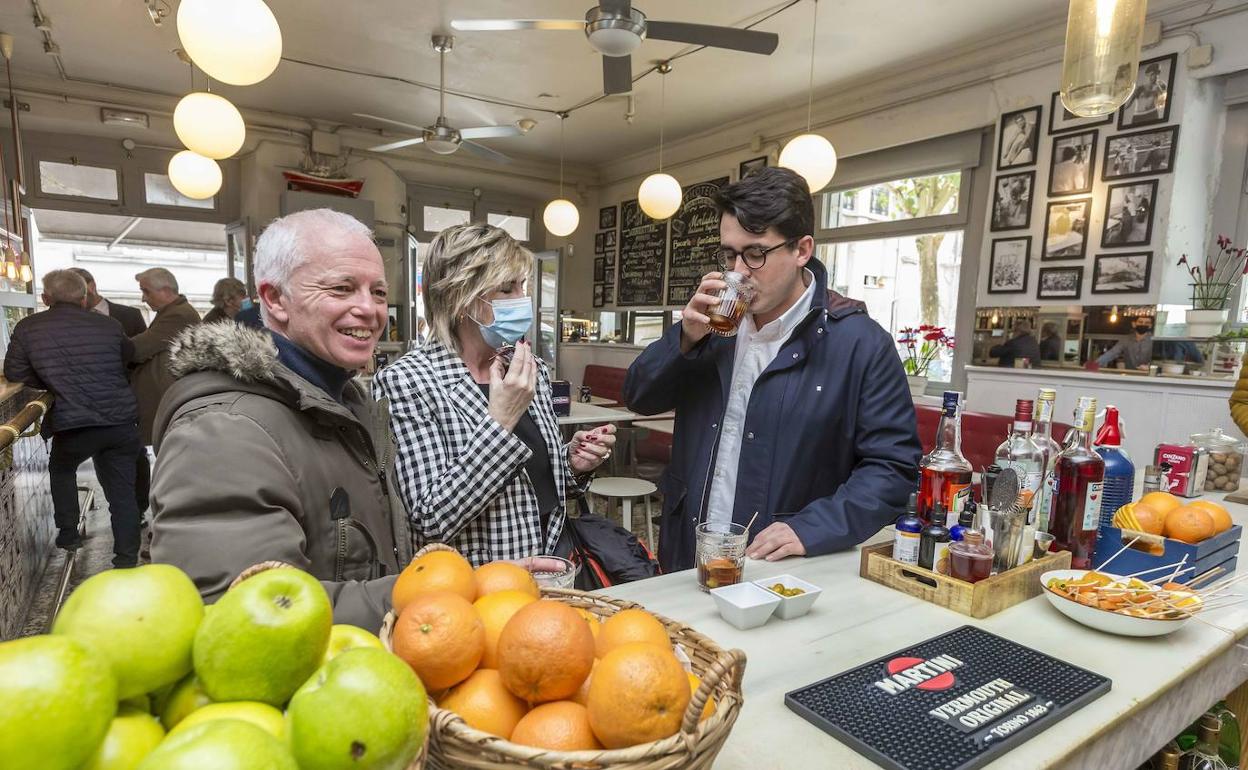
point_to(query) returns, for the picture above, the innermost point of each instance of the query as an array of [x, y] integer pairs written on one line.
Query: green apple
[[57, 698], [187, 696], [363, 709], [222, 744], [131, 737], [261, 715], [343, 637], [143, 620], [140, 702], [264, 637]]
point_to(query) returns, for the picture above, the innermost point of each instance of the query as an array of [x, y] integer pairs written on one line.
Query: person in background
[[1050, 342], [269, 449], [228, 295], [249, 314], [1022, 345], [130, 318], [80, 357], [481, 463], [803, 422], [1136, 352]]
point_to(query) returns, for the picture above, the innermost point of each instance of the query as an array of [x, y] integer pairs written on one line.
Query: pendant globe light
[[209, 125], [659, 194], [235, 41], [195, 176], [561, 216], [809, 154], [1102, 55]]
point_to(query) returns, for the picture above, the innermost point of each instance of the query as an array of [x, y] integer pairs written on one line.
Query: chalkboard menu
[[639, 281], [694, 236]]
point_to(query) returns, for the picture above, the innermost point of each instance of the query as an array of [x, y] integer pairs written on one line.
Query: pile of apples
[[138, 674]]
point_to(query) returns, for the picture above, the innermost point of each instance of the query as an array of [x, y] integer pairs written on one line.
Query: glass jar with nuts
[[1226, 460]]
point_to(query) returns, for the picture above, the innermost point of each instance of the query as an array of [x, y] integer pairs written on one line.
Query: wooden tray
[[979, 600]]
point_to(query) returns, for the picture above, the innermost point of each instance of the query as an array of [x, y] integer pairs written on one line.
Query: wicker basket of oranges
[[524, 677]]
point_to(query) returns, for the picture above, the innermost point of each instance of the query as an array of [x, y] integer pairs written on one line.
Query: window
[[436, 219], [647, 327], [895, 201], [848, 200], [159, 191], [74, 180], [516, 226]]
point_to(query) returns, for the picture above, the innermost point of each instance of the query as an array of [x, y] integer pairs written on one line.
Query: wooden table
[[591, 413]]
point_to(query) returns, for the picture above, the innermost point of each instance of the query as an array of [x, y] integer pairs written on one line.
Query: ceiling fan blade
[[502, 25], [396, 145], [749, 40], [401, 124], [621, 7], [489, 132], [617, 74], [481, 151]]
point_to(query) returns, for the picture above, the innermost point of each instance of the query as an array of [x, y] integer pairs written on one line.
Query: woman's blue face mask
[[512, 320]]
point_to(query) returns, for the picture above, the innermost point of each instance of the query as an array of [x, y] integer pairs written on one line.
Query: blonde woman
[[481, 464]]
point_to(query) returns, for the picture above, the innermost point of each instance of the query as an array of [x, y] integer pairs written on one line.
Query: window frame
[[74, 160], [899, 227], [216, 199]]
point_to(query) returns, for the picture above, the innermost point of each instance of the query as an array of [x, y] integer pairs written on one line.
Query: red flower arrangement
[[919, 347]]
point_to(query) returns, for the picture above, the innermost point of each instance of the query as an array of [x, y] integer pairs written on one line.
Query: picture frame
[[607, 217], [1128, 273], [1066, 225], [1150, 101], [1060, 283], [1072, 165], [753, 164], [608, 241], [610, 258], [1012, 201], [1008, 265], [1129, 210], [599, 243], [1143, 153], [600, 269], [1018, 140], [1063, 121], [599, 295]]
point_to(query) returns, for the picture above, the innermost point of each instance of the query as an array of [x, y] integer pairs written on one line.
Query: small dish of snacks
[[745, 605], [1126, 606], [796, 595]]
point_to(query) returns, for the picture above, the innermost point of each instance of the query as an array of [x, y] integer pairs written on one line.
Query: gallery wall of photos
[[1078, 205]]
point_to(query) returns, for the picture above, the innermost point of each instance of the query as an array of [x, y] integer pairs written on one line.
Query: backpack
[[606, 553]]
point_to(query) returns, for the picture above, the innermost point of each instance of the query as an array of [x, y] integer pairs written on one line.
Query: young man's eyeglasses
[[755, 256]]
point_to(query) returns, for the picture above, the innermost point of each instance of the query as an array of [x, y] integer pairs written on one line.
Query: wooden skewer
[[1224, 584], [1177, 569], [1205, 576], [1173, 575], [1154, 569], [1116, 555], [750, 526]]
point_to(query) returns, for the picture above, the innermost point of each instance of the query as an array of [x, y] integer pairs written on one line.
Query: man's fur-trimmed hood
[[246, 354]]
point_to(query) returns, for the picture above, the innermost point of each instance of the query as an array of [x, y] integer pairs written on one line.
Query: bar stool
[[625, 489]]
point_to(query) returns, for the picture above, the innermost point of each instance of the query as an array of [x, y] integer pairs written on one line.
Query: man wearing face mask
[[481, 464], [1137, 352]]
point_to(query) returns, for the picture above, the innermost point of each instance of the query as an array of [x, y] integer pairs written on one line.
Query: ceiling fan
[[442, 137], [615, 29]]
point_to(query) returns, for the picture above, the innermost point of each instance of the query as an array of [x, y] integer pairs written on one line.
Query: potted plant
[[1212, 286], [919, 348]]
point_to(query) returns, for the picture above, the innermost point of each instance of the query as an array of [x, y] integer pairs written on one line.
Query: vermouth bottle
[[944, 473], [1042, 437], [1020, 454], [1079, 481]]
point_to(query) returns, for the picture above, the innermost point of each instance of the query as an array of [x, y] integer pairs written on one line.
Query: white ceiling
[[113, 41]]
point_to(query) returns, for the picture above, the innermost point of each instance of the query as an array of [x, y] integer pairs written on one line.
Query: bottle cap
[[912, 505], [973, 537], [952, 400]]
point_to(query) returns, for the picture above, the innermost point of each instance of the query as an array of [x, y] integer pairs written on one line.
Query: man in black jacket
[[80, 357], [130, 318]]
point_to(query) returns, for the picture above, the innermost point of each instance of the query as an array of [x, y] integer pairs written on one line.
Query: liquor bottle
[[944, 473], [1119, 470], [934, 545], [1204, 755], [909, 528], [1020, 454], [966, 522], [1079, 480], [970, 559], [1042, 437], [1168, 758]]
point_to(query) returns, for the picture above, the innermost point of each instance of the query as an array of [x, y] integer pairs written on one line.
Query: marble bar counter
[[1154, 409], [1160, 684]]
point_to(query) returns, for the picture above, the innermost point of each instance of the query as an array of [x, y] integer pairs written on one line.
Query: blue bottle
[[909, 531], [1119, 470], [966, 521]]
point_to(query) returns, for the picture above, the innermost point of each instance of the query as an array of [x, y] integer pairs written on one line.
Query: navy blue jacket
[[830, 443]]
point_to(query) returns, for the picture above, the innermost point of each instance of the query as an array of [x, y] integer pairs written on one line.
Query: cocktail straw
[[750, 526], [1116, 555]]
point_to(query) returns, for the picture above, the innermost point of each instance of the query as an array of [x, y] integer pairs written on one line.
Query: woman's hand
[[511, 390], [589, 448]]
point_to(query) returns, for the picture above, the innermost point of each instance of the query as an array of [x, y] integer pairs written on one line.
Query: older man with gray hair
[[268, 450], [80, 357]]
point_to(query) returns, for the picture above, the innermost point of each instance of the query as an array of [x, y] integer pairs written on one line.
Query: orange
[[441, 637], [638, 694], [559, 726], [1151, 520], [484, 703], [694, 684], [1189, 524], [545, 652], [435, 571], [629, 626], [495, 610], [505, 576], [581, 696], [1221, 517], [1162, 502], [595, 624]]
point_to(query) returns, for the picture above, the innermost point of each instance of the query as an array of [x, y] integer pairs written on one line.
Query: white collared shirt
[[101, 307], [756, 349]]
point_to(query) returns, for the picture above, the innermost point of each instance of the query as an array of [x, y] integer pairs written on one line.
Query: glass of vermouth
[[719, 553], [734, 300]]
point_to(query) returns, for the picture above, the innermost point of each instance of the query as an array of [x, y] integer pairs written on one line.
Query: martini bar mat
[[955, 701]]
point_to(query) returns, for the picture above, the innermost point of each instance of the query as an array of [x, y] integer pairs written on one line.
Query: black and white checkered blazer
[[460, 473]]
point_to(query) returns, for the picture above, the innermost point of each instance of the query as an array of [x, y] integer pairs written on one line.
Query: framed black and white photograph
[[608, 241], [1066, 229], [1122, 273], [1063, 121], [1073, 164], [610, 259], [1011, 201], [747, 166], [599, 243], [599, 292], [1129, 214], [1008, 265], [606, 218], [1060, 283], [600, 269], [1020, 138], [1144, 153], [1150, 103]]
